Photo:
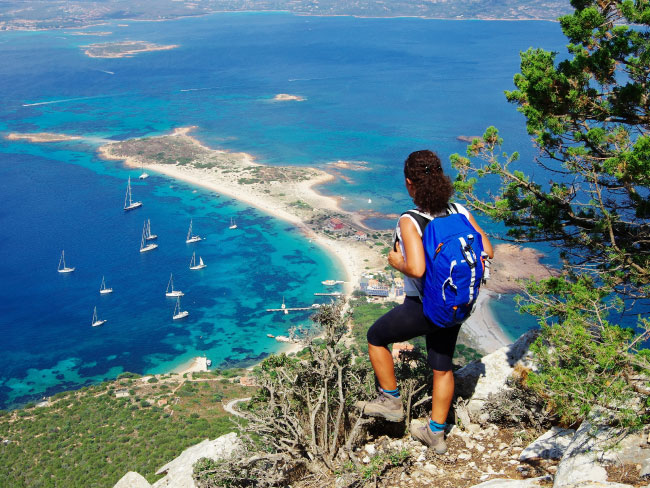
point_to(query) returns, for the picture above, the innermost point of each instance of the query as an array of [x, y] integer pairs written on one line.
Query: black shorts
[[407, 321]]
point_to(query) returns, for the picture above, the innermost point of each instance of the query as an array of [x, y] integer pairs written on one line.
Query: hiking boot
[[385, 406], [434, 440]]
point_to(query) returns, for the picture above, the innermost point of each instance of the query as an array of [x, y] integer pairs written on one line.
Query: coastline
[[482, 327], [13, 27], [275, 198], [195, 365], [276, 190]]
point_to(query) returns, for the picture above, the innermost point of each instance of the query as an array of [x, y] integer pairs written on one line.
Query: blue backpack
[[454, 268]]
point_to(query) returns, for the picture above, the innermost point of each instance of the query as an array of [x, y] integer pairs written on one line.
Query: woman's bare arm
[[414, 264]]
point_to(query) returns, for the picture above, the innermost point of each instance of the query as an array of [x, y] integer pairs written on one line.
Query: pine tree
[[589, 117]]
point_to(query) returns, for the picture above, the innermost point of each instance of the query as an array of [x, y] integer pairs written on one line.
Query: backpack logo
[[454, 269]]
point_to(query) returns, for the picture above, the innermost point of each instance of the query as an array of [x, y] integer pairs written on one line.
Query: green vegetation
[[301, 204], [363, 315], [90, 438], [589, 117], [301, 417], [248, 181]]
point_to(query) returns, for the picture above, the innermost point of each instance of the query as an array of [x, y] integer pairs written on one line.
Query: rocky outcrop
[[592, 448], [479, 379], [179, 471], [132, 480], [551, 445]]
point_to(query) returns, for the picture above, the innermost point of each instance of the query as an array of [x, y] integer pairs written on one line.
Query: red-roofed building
[[335, 224]]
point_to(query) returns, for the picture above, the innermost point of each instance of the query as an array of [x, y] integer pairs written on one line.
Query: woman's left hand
[[396, 259]]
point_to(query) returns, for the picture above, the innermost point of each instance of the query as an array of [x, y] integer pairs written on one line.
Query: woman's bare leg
[[443, 393], [382, 363]]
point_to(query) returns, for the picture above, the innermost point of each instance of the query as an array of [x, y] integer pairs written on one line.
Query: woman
[[431, 190]]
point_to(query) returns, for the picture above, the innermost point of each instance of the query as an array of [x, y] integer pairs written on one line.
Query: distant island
[[40, 137], [46, 14], [285, 97], [123, 49]]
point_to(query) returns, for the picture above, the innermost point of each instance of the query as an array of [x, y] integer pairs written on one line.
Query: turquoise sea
[[375, 89]]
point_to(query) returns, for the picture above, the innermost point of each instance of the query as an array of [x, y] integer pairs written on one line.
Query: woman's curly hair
[[433, 188]]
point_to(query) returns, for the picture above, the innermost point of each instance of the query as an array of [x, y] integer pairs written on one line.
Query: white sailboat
[[233, 225], [192, 238], [193, 264], [170, 292], [144, 247], [62, 267], [129, 204], [103, 290], [178, 313], [144, 174], [96, 321], [149, 236]]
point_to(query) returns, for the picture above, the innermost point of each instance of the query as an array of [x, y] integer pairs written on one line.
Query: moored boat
[[191, 237], [170, 292], [144, 246], [96, 321], [62, 267], [193, 264], [178, 313], [103, 289], [129, 204]]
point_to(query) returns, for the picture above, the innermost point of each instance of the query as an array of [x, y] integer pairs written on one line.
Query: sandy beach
[[195, 365], [276, 197], [482, 328]]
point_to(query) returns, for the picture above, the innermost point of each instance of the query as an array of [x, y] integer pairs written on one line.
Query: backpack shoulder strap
[[420, 219]]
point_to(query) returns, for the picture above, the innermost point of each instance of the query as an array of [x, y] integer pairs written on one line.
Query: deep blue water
[[375, 89]]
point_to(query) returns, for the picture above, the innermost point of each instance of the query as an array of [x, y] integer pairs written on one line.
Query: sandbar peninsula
[[90, 33], [123, 49], [40, 137], [285, 192]]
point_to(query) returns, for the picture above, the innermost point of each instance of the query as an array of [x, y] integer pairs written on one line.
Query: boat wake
[[198, 89], [64, 100]]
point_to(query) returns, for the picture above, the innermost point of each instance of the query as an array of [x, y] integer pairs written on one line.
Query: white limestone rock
[[488, 375], [504, 483], [179, 471], [132, 480], [599, 484], [594, 446], [551, 445]]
